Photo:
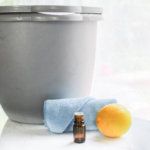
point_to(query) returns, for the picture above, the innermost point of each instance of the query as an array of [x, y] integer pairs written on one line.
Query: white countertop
[[16, 136]]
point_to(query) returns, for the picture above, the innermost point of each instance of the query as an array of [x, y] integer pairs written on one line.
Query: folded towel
[[58, 114]]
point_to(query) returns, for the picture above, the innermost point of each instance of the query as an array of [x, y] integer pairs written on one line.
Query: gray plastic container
[[46, 52]]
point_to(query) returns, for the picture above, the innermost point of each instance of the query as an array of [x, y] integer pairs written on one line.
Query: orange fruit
[[113, 120]]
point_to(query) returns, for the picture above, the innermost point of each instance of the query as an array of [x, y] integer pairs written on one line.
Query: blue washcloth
[[58, 114]]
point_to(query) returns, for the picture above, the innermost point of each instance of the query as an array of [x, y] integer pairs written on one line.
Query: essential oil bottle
[[79, 128]]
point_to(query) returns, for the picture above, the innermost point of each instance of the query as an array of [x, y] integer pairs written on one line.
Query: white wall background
[[123, 66]]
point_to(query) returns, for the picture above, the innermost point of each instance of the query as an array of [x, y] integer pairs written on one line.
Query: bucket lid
[[50, 8], [49, 13]]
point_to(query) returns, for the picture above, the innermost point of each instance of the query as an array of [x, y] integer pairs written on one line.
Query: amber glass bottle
[[79, 128]]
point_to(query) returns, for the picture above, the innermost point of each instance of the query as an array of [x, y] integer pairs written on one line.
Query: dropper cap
[[78, 116]]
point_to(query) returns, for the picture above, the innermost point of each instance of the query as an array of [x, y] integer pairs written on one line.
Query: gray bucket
[[46, 52]]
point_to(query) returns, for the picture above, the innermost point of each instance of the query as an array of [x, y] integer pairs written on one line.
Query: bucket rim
[[50, 8]]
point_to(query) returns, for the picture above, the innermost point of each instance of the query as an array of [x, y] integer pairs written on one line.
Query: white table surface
[[16, 136]]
